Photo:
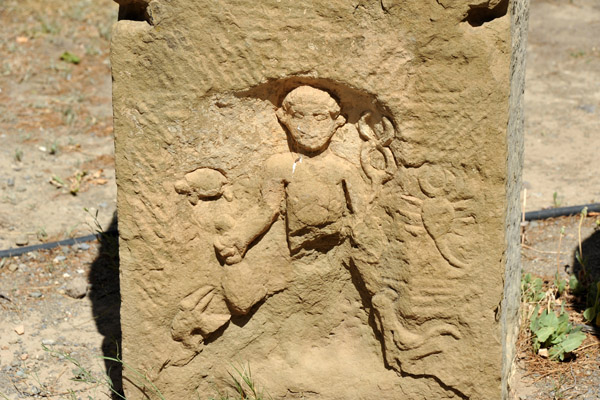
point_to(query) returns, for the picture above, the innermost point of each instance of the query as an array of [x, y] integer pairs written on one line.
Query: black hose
[[561, 211], [17, 251], [530, 216]]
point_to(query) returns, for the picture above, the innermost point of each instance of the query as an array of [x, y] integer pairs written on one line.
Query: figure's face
[[311, 125]]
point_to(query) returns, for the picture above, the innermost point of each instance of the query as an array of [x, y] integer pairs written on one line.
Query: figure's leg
[[243, 286], [265, 270]]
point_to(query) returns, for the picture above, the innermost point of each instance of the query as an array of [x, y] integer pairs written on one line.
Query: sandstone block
[[324, 191]]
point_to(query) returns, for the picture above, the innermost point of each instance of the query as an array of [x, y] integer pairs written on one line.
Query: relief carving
[[319, 202], [446, 214]]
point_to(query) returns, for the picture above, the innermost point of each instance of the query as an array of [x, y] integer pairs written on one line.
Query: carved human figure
[[313, 189], [324, 200]]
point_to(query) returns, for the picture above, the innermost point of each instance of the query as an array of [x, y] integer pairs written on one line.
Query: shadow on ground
[[587, 270], [105, 295]]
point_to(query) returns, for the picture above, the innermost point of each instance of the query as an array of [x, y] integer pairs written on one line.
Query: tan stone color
[[320, 190]]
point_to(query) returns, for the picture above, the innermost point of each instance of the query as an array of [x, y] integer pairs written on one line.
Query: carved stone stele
[[324, 191]]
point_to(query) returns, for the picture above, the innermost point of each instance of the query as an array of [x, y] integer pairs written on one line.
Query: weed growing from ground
[[592, 313], [244, 385], [84, 375], [556, 201], [70, 58], [549, 330], [532, 289], [583, 285], [18, 155], [554, 333]]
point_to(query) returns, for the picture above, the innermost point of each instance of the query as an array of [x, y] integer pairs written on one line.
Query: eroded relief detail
[[319, 202], [203, 184], [445, 213]]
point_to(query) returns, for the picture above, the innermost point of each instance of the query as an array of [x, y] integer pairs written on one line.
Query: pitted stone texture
[[512, 281], [320, 190]]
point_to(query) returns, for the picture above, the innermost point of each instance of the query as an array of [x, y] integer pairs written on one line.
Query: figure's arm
[[365, 228], [355, 190], [233, 245]]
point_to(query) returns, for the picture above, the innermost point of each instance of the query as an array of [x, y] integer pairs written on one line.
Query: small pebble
[[10, 182], [42, 148], [22, 240], [83, 246], [35, 295], [77, 288], [20, 329], [588, 108], [58, 259], [20, 373], [13, 267], [48, 342], [80, 271], [24, 356]]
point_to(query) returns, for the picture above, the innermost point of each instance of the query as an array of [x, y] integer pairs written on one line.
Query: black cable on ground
[[561, 211], [17, 251]]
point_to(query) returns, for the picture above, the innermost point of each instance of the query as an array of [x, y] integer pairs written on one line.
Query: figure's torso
[[315, 203]]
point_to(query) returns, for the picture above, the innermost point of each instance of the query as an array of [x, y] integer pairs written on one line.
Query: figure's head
[[311, 116]]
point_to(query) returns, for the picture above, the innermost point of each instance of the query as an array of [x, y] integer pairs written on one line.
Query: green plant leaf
[[549, 319], [535, 319], [70, 58], [560, 288], [544, 333], [557, 352], [537, 284], [573, 341], [590, 314], [573, 283]]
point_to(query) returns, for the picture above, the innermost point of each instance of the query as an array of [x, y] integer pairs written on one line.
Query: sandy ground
[[57, 168], [562, 104], [56, 149]]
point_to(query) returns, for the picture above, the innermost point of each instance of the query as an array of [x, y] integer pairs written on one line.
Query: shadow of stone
[[105, 295], [587, 274]]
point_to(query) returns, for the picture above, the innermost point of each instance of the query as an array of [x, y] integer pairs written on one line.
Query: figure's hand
[[230, 249]]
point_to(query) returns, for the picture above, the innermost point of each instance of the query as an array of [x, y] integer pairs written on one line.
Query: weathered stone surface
[[511, 301], [326, 191]]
